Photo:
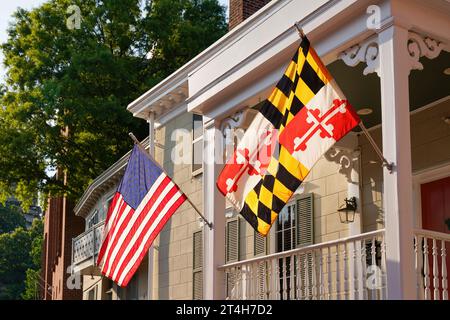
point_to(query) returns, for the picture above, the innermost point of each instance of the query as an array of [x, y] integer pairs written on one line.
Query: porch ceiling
[[425, 86]]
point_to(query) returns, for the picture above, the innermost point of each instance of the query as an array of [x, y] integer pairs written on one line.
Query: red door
[[436, 217]]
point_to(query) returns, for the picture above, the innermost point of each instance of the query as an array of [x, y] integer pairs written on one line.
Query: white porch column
[[397, 193], [151, 251], [214, 211]]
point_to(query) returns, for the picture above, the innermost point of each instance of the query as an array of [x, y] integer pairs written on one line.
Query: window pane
[[197, 155], [197, 126]]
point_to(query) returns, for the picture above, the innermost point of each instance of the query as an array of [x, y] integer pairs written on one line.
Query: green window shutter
[[305, 237], [259, 244], [232, 240], [197, 277], [305, 220]]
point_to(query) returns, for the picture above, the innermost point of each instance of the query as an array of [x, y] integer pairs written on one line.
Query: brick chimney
[[242, 9]]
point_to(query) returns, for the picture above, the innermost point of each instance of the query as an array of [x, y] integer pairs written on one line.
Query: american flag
[[145, 199]]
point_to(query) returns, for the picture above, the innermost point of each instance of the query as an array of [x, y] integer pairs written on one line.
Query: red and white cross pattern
[[253, 164], [317, 127]]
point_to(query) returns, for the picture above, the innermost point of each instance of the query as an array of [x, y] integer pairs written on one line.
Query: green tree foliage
[[33, 283], [10, 218], [20, 260], [14, 261], [64, 103]]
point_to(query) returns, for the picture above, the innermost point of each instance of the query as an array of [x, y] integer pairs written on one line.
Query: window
[[92, 294], [93, 219], [197, 144], [232, 240], [197, 276], [259, 244], [106, 205], [294, 229], [132, 289]]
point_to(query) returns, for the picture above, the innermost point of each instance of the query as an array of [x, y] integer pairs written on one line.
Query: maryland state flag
[[304, 116]]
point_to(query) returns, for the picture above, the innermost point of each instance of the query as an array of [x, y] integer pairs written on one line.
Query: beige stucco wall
[[330, 189], [430, 147], [173, 247]]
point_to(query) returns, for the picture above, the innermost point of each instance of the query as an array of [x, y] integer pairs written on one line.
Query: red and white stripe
[[129, 233]]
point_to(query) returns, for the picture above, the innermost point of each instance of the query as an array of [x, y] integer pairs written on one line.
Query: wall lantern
[[347, 212]]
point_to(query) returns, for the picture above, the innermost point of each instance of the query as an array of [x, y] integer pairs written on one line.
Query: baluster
[[236, 283], [264, 277], [338, 275], [330, 275], [250, 281], [373, 254], [284, 279], [241, 283], [257, 279], [321, 287], [435, 271], [426, 270], [228, 286], [383, 268], [355, 271], [314, 276], [306, 273], [278, 276], [417, 266], [444, 271], [299, 277], [269, 287], [364, 269], [346, 286], [291, 278], [235, 288]]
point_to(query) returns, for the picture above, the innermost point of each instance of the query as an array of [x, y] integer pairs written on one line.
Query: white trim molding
[[424, 176]]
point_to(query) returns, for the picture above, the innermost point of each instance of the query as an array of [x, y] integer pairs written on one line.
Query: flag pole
[[136, 141], [385, 163], [300, 30]]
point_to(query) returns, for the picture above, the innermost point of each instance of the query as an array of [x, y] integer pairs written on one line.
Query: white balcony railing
[[87, 245], [432, 263], [350, 268]]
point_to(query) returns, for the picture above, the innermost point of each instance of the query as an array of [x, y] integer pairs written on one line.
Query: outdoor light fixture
[[347, 213], [364, 111]]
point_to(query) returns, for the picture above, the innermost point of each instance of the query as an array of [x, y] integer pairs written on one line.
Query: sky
[[8, 7]]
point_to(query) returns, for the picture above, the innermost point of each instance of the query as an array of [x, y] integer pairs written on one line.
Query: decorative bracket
[[368, 52], [233, 122], [420, 46]]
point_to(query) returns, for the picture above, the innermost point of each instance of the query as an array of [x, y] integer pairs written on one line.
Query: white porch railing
[[432, 264], [86, 245], [349, 268]]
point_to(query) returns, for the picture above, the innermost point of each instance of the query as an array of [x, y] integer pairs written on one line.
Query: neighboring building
[[398, 245], [34, 211], [60, 226]]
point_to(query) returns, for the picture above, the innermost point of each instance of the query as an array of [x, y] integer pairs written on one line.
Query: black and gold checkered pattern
[[303, 78]]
